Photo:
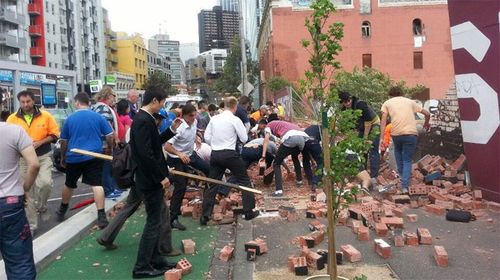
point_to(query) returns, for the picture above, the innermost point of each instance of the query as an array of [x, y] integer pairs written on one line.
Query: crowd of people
[[216, 141]]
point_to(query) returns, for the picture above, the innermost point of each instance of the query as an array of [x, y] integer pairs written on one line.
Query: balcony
[[12, 41], [36, 52], [11, 16], [35, 30], [35, 9], [113, 58]]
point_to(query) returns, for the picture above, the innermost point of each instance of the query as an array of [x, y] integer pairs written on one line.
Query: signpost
[[49, 95]]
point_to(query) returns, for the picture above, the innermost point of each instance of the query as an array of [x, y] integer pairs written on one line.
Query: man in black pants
[[151, 180], [312, 150], [134, 200], [180, 155], [221, 134]]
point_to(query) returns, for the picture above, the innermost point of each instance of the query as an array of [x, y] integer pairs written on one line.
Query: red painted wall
[[477, 57], [40, 41], [391, 44]]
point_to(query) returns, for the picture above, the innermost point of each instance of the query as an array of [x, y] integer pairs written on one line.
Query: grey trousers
[[133, 202]]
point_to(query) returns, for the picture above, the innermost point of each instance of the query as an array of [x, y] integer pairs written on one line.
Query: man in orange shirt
[[259, 114], [43, 130]]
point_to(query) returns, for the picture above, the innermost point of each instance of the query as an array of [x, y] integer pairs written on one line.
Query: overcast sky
[[178, 18]]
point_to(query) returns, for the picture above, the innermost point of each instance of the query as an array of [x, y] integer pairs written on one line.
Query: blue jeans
[[373, 155], [312, 149], [16, 243], [404, 147], [108, 183]]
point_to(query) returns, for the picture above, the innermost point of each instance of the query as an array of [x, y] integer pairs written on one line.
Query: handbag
[[459, 216]]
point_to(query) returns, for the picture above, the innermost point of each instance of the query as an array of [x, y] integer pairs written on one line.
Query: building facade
[[158, 63], [162, 45], [195, 72], [188, 50], [217, 28], [214, 61], [228, 5], [14, 39], [110, 45], [409, 40], [132, 57], [252, 19]]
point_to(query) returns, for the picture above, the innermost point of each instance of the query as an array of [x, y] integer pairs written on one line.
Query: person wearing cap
[[368, 127], [261, 113]]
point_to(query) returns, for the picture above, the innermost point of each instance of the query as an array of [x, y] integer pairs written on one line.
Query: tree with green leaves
[[370, 85], [159, 80], [231, 76], [277, 83], [339, 137]]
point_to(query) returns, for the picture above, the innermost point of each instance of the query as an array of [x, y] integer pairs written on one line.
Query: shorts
[[90, 170]]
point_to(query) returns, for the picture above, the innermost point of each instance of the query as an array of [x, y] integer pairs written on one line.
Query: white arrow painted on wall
[[467, 36], [481, 130]]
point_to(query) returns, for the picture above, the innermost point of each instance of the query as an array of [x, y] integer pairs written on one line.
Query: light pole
[[243, 50]]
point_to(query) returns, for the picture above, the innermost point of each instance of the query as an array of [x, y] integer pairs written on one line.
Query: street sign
[[248, 88]]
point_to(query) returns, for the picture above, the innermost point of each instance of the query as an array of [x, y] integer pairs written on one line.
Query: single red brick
[[363, 234], [315, 260], [318, 236], [262, 245], [301, 267], [351, 253], [189, 246], [218, 216], [413, 203], [355, 225], [399, 241], [197, 207], [450, 173], [441, 256], [185, 266], [477, 194], [477, 204], [392, 222], [228, 215], [186, 211], [436, 183], [398, 212], [412, 218], [411, 239], [444, 204], [172, 274], [421, 189], [226, 253], [435, 209], [382, 248], [447, 184], [381, 229], [292, 260], [424, 236], [459, 163]]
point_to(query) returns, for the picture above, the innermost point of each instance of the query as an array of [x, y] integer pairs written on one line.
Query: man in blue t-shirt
[[84, 130]]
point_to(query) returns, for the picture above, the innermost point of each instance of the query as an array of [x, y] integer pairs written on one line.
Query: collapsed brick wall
[[445, 137]]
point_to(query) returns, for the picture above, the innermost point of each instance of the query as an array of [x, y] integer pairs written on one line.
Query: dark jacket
[[367, 114], [133, 110], [147, 152]]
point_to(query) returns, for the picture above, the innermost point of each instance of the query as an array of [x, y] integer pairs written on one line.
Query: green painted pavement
[[88, 260]]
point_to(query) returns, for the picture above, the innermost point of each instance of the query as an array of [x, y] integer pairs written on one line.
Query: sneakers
[[102, 221], [176, 224], [252, 214], [277, 193], [61, 212], [299, 183], [113, 195], [404, 191]]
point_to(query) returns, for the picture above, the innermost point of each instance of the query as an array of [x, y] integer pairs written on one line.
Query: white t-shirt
[[184, 139]]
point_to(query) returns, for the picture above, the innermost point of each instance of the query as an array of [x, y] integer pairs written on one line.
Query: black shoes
[[105, 244], [252, 214], [61, 212], [147, 273], [102, 221], [204, 220], [176, 224], [164, 266]]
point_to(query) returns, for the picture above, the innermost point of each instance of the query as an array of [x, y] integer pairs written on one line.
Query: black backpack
[[123, 167]]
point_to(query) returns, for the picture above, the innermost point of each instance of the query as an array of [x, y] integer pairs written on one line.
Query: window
[[54, 29], [53, 11], [418, 60], [55, 48], [48, 27], [366, 31], [367, 60], [50, 64], [417, 27], [48, 47]]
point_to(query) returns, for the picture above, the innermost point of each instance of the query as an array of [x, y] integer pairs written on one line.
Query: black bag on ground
[[123, 167], [459, 216]]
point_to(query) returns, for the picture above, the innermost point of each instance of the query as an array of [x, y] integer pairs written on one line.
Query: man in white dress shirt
[[221, 134]]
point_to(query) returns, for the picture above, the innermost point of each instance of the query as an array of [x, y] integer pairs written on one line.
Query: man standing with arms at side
[[404, 130], [84, 130], [132, 97], [181, 153], [150, 181], [16, 243], [222, 133], [43, 130]]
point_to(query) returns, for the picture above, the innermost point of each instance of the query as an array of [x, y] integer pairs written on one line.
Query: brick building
[[408, 39]]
